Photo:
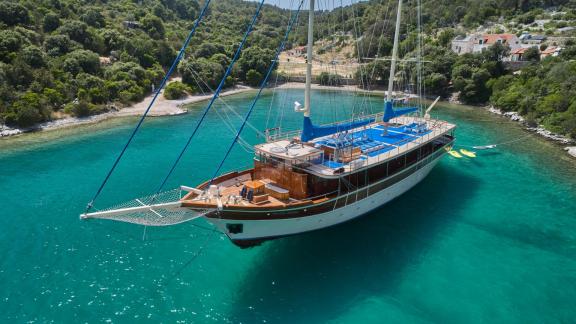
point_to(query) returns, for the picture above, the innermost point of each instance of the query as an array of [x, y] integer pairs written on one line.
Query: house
[[488, 40], [532, 39], [550, 51], [476, 43], [298, 51], [517, 54], [462, 45]]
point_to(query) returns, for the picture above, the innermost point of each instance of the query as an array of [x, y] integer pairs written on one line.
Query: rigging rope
[[215, 96], [164, 81], [262, 86]]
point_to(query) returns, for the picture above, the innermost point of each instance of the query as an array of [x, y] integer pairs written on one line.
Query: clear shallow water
[[491, 239]]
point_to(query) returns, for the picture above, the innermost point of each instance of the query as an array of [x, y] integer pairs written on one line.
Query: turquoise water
[[491, 239]]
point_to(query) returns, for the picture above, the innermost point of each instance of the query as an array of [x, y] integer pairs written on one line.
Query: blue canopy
[[390, 112], [310, 132]]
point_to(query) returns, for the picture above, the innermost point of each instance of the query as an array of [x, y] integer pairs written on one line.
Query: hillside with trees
[[543, 91], [80, 57], [75, 57]]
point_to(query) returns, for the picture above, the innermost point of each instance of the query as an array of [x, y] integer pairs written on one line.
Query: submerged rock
[[571, 150], [552, 136]]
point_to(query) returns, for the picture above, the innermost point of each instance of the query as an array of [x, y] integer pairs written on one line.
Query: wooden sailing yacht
[[317, 177]]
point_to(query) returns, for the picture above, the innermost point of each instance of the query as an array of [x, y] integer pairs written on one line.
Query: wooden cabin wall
[[296, 183]]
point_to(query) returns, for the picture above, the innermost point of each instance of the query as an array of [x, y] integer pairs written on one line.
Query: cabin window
[[396, 165], [412, 157], [378, 172], [235, 228], [426, 150]]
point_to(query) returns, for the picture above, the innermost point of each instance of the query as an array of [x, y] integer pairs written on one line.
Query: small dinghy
[[468, 153], [484, 147], [455, 154]]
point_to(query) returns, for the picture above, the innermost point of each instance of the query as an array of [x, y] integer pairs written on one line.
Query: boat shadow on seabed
[[318, 275]]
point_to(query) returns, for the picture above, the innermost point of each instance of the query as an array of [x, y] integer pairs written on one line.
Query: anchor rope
[[500, 144], [156, 94], [262, 86], [215, 96]]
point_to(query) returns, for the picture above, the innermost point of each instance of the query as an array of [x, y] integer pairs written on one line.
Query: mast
[[309, 59], [394, 52]]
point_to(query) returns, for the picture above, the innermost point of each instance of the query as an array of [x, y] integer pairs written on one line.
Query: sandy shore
[[162, 107]]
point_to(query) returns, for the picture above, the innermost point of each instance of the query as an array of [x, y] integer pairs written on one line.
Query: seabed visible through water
[[485, 239]]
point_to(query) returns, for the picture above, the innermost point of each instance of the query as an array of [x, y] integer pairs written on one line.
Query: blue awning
[[310, 132], [390, 112]]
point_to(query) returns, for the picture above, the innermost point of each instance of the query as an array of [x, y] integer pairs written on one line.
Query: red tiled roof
[[493, 38], [520, 50], [550, 50]]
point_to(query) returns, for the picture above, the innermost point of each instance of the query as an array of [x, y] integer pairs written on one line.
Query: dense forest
[[83, 57], [80, 57]]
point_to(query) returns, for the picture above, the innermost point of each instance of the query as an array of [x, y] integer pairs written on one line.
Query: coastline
[[162, 107], [539, 130]]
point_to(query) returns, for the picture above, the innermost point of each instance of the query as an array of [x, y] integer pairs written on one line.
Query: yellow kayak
[[455, 154], [468, 153]]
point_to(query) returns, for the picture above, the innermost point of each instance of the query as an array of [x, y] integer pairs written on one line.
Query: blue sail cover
[[310, 132], [390, 112]]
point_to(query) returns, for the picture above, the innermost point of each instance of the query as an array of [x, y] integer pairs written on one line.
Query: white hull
[[263, 229]]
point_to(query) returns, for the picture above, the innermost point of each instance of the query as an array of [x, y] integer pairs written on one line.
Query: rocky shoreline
[[540, 130], [162, 107]]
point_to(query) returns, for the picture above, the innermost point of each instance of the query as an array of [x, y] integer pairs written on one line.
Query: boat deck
[[372, 141], [230, 195], [376, 145]]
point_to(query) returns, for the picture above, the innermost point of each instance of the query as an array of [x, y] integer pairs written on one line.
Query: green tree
[[253, 78], [436, 84], [175, 90], [27, 110], [255, 58], [34, 56], [76, 31], [113, 40], [329, 79], [201, 74], [51, 22], [13, 13], [10, 43], [58, 45], [532, 54], [93, 18], [207, 50], [87, 61], [153, 26], [446, 36]]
